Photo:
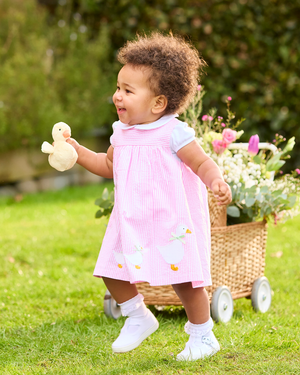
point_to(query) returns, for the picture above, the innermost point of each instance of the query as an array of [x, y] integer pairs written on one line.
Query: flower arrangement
[[253, 170]]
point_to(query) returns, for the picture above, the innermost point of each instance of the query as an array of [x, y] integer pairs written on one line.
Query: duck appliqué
[[173, 252]]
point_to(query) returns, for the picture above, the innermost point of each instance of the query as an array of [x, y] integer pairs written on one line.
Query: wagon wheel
[[261, 295], [221, 305], [111, 308]]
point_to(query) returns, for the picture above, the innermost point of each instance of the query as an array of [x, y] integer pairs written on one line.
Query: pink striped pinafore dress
[[159, 229]]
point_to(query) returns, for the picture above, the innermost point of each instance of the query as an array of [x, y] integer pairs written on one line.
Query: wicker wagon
[[237, 269]]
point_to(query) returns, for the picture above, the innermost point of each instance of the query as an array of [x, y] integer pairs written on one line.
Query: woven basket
[[237, 259]]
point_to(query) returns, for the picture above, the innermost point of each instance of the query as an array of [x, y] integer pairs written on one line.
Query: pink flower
[[219, 146], [253, 145], [229, 98], [220, 118], [297, 170], [204, 118], [229, 135], [223, 125], [199, 87], [210, 118]]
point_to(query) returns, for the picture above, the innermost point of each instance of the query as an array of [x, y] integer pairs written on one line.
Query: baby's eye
[[118, 88], [128, 91], [59, 129]]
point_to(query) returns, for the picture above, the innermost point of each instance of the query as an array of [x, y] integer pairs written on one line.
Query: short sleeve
[[182, 135], [111, 139]]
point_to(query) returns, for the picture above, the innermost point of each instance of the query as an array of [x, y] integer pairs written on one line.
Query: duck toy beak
[[66, 134], [188, 231]]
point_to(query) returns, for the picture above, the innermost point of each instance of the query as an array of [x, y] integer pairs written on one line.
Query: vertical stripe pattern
[[158, 201]]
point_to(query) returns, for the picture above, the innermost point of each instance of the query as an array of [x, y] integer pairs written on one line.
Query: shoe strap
[[133, 321]]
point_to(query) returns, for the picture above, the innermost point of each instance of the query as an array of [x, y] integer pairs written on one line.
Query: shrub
[[251, 48], [48, 74]]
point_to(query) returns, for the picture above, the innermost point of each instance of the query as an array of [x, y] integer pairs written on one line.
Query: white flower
[[249, 184]]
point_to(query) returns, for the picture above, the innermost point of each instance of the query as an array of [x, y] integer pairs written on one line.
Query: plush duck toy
[[62, 155], [173, 252]]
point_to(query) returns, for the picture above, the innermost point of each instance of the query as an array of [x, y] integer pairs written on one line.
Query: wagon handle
[[261, 146]]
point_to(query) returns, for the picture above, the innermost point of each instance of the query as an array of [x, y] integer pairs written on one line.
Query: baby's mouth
[[121, 110]]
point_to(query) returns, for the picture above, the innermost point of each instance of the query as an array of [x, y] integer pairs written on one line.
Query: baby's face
[[134, 98]]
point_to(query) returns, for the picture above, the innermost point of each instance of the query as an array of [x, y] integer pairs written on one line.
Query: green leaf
[[250, 201], [292, 200], [259, 197], [112, 196], [99, 201], [106, 204], [233, 211], [276, 193], [257, 159], [99, 214], [264, 189], [106, 212], [275, 163], [275, 167], [268, 210], [252, 189], [289, 146], [105, 194]]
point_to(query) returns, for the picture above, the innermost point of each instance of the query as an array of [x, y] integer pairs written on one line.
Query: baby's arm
[[204, 167], [100, 164]]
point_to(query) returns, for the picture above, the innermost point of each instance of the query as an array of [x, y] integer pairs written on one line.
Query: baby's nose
[[117, 95]]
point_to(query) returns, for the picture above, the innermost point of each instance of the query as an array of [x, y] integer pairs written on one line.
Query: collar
[[153, 125]]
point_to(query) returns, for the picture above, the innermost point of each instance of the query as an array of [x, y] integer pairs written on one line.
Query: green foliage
[[255, 194], [49, 74], [106, 203], [254, 203], [251, 47]]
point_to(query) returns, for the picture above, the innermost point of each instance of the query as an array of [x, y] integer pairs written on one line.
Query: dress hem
[[201, 283]]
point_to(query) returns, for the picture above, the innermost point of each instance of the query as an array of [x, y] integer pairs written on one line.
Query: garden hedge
[[251, 47]]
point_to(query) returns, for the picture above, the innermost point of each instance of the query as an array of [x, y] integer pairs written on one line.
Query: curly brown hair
[[175, 66]]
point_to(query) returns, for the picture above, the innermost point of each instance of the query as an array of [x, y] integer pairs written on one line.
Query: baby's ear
[[160, 104]]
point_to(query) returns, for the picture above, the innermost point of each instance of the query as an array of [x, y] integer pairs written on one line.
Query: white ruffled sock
[[134, 307], [199, 330]]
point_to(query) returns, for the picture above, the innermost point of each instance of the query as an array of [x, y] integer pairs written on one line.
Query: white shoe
[[134, 331], [199, 347]]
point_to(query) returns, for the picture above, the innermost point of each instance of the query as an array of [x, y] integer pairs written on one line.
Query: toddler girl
[[159, 230]]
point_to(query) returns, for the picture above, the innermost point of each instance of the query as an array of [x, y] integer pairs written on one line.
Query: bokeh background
[[58, 62]]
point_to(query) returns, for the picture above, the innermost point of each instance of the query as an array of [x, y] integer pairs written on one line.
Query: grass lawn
[[51, 307]]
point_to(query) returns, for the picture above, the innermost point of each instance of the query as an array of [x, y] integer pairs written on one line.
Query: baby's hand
[[73, 143], [222, 192]]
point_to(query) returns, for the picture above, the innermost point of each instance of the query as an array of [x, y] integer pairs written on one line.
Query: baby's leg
[[202, 341], [140, 324], [121, 291], [195, 302]]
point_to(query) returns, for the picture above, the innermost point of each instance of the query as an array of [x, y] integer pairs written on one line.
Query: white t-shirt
[[181, 136]]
